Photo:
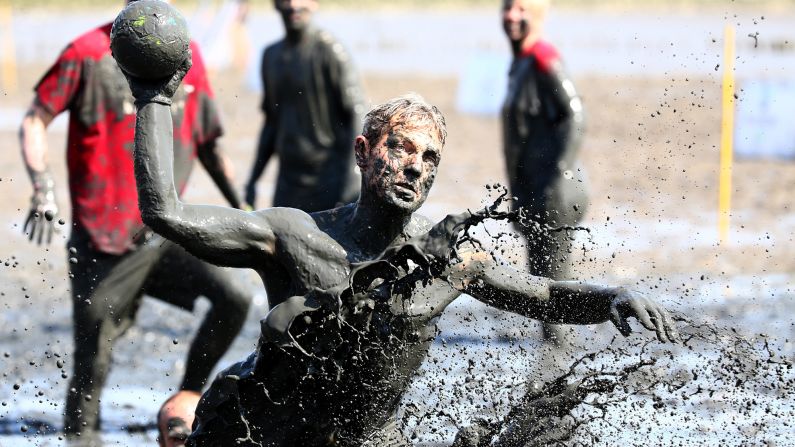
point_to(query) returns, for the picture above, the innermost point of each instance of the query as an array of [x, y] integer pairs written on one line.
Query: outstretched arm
[[567, 302], [221, 235]]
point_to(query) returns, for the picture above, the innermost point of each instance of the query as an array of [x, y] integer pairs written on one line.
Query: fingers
[[620, 322], [50, 232], [640, 308], [32, 231], [663, 323], [188, 62], [669, 326], [652, 317], [179, 75], [30, 223], [657, 320], [40, 230]]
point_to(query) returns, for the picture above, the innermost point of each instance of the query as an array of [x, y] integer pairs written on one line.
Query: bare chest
[[313, 261]]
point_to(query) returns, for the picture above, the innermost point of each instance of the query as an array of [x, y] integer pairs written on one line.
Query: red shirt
[[86, 81]]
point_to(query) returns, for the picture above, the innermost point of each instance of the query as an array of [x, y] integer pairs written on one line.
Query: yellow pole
[[726, 137], [8, 63]]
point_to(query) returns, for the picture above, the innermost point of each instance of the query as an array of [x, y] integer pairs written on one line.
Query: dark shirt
[[313, 108], [542, 130]]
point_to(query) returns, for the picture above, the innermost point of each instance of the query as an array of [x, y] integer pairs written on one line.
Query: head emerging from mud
[[399, 152], [523, 20]]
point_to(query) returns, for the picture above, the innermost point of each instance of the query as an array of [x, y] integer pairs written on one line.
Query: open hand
[[651, 315], [41, 217], [162, 90]]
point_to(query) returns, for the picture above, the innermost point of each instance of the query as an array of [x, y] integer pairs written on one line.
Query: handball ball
[[149, 39]]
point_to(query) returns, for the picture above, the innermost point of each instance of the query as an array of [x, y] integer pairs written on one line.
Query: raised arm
[[220, 235], [567, 302]]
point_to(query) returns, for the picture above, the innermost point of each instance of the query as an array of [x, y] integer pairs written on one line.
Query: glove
[[43, 209], [160, 91]]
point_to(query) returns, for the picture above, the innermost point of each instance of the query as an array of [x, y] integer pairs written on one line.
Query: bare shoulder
[[329, 220], [285, 220]]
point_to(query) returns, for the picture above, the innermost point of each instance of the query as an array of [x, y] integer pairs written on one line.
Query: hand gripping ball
[[149, 39]]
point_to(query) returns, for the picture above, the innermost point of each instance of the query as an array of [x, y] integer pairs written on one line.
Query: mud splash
[[713, 377]]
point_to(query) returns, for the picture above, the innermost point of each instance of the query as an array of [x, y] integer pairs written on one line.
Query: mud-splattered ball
[[149, 39]]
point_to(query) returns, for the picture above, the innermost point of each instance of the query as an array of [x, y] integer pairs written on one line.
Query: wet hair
[[410, 107]]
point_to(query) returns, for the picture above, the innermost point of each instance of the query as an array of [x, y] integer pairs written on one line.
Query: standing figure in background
[[313, 107], [542, 131], [111, 263]]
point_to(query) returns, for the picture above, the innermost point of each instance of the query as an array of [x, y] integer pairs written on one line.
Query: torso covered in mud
[[87, 82], [542, 121], [333, 362], [313, 103]]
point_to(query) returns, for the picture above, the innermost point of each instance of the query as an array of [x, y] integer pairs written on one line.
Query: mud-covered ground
[[652, 156]]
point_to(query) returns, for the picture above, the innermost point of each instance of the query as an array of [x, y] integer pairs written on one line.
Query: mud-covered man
[[313, 109], [331, 366], [542, 129], [107, 245]]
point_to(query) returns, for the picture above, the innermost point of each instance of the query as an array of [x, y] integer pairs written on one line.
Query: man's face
[[296, 14], [518, 18], [174, 433], [400, 167]]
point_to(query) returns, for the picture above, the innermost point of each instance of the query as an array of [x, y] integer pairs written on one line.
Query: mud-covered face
[[400, 167], [296, 14], [174, 432], [518, 18]]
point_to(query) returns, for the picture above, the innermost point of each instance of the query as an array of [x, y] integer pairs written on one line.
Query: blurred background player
[[108, 249], [542, 130], [313, 108]]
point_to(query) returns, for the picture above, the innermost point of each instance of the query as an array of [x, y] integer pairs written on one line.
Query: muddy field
[[651, 153]]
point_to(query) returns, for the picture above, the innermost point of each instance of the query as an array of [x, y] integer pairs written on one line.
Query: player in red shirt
[[111, 263], [542, 130]]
